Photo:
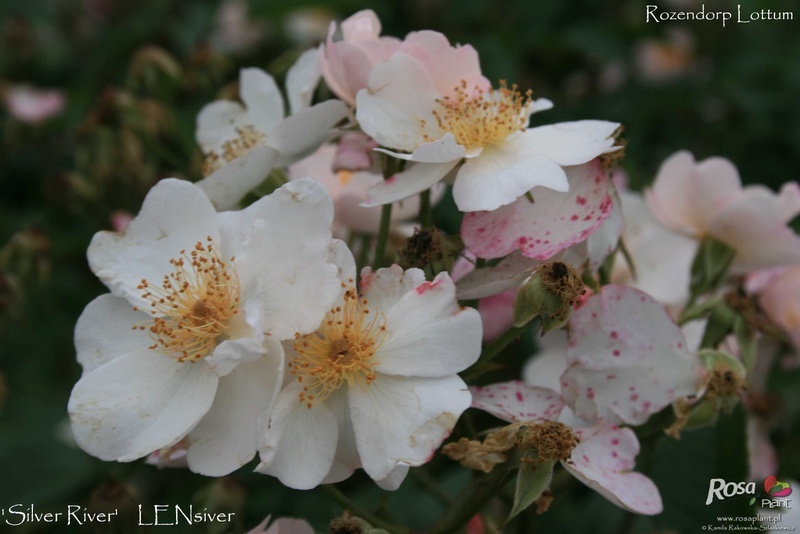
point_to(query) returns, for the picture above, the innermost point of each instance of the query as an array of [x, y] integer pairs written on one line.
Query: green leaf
[[531, 482]]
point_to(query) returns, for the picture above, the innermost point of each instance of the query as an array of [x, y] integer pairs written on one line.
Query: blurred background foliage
[[134, 76]]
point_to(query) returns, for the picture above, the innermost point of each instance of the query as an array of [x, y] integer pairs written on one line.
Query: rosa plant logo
[[774, 494], [777, 492], [776, 488]]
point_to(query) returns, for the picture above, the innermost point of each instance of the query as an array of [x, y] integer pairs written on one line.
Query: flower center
[[481, 118], [341, 352], [246, 138], [193, 305]]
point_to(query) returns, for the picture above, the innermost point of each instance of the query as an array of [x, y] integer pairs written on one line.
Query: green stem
[[478, 492], [425, 213], [383, 235], [424, 479], [493, 349], [369, 517]]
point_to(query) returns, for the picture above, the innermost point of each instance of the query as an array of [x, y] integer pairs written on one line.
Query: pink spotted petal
[[516, 402], [603, 461], [549, 224], [626, 358]]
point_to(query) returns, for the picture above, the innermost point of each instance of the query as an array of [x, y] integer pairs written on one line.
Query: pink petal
[[626, 358], [550, 224], [755, 225], [497, 313], [687, 195], [603, 461], [516, 402]]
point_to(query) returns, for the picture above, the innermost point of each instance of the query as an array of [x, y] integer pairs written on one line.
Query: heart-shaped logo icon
[[776, 488]]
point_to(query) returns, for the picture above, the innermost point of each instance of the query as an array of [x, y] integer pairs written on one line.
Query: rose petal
[[603, 460], [516, 402], [546, 226], [227, 438], [138, 403], [402, 421], [627, 358]]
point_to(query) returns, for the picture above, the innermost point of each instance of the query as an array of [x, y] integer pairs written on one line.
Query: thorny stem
[[369, 517]]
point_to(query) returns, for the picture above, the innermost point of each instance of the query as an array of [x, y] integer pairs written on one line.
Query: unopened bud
[[549, 294], [153, 71]]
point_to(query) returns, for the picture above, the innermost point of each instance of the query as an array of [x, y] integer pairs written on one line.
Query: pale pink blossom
[[376, 387], [626, 358], [545, 223], [436, 117], [32, 105], [780, 299], [233, 31], [605, 456], [706, 199], [347, 64]]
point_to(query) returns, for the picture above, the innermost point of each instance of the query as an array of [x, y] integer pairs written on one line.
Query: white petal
[[385, 287], [300, 134], [175, 215], [429, 334], [402, 421], [570, 143], [544, 368], [230, 183], [104, 331], [346, 459], [397, 108], [299, 446], [415, 179], [662, 257], [246, 341], [263, 99], [217, 123], [393, 479], [627, 358], [516, 402], [551, 223], [227, 437], [282, 254], [603, 460], [499, 176], [138, 403], [302, 79], [341, 256], [442, 150]]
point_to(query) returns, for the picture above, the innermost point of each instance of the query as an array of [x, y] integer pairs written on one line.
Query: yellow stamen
[[194, 304], [480, 118], [341, 352], [247, 138]]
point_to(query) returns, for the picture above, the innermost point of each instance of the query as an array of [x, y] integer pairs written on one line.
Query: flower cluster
[[280, 307]]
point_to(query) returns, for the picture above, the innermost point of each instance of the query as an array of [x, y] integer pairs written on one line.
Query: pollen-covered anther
[[246, 138], [478, 118], [341, 352], [193, 306], [551, 441]]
